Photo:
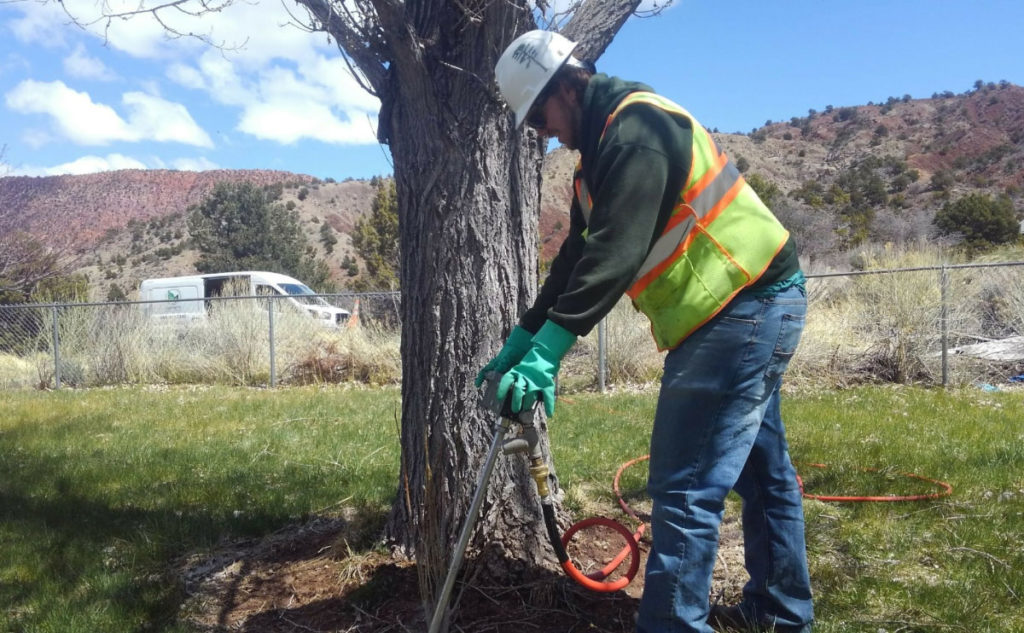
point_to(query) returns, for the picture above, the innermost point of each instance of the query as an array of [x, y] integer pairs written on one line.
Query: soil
[[306, 578]]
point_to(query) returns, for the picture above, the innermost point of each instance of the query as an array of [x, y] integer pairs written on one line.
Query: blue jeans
[[718, 427]]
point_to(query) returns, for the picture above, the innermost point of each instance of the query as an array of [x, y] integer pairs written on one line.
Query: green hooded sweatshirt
[[634, 176]]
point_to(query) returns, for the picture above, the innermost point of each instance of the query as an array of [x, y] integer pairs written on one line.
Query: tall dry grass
[[118, 344], [889, 327], [631, 357], [879, 327], [860, 329]]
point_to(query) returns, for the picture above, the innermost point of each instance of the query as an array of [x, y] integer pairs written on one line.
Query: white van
[[184, 298]]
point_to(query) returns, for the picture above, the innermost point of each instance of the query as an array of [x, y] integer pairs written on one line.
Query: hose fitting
[[539, 471]]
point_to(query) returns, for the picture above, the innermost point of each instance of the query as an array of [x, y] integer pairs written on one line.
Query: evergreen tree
[[116, 293], [765, 189], [327, 237], [982, 220], [239, 227], [375, 239]]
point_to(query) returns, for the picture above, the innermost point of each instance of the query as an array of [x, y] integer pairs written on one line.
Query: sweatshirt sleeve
[[558, 275], [635, 180]]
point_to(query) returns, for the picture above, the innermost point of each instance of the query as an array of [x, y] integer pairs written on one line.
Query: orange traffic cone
[[353, 319]]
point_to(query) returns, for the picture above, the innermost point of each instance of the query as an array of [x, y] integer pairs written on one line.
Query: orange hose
[[595, 580]]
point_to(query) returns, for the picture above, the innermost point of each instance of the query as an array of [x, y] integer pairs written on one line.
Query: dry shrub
[[98, 345], [630, 352], [1001, 293], [116, 346], [15, 372], [233, 345], [367, 353], [880, 327], [827, 343]]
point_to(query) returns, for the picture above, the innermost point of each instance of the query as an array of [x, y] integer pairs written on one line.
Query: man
[[661, 214]]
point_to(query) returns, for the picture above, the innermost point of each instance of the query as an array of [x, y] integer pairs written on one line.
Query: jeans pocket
[[785, 347], [789, 335]]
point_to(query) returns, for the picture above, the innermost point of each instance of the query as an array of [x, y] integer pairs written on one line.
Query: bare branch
[[358, 36], [107, 16], [25, 262], [595, 23]]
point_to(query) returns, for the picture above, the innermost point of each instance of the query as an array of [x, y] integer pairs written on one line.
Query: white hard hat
[[527, 65]]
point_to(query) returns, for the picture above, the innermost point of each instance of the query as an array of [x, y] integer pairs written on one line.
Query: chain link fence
[[243, 340], [932, 324]]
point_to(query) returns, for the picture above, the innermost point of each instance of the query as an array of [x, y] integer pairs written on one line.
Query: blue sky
[[70, 103]]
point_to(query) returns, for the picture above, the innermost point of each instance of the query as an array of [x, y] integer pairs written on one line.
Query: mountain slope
[[914, 154]]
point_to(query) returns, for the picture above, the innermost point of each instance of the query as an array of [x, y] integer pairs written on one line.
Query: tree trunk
[[468, 188], [469, 191]]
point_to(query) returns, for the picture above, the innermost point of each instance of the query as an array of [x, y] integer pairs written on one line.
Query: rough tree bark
[[468, 189]]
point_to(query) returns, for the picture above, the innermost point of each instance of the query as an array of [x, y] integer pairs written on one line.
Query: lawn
[[104, 492]]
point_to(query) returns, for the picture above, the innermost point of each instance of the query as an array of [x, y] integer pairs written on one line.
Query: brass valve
[[539, 471]]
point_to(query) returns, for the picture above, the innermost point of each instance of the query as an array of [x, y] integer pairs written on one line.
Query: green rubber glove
[[516, 346], [534, 376]]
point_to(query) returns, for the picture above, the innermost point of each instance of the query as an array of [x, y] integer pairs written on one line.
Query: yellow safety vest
[[719, 239]]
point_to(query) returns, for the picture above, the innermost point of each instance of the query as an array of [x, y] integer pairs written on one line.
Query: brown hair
[[575, 77]]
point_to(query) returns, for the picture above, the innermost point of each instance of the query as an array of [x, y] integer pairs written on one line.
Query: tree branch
[[108, 15], [359, 37], [595, 22]]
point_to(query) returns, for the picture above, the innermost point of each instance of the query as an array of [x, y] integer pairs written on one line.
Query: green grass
[[950, 564], [954, 563], [103, 492]]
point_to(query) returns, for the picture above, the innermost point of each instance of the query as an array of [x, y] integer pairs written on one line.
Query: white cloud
[[319, 100], [186, 76], [291, 108], [74, 114], [14, 62], [218, 77], [156, 119], [80, 120], [194, 164], [649, 5], [251, 33], [560, 7], [285, 83], [83, 165], [39, 23], [291, 122], [334, 76], [79, 64]]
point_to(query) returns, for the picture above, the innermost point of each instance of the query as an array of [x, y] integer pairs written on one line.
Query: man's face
[[557, 114]]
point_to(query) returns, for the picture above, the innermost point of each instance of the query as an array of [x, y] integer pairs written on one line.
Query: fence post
[[602, 365], [943, 323], [270, 320], [56, 348]]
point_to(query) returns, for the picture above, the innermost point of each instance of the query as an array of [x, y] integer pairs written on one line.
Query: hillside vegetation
[[840, 179]]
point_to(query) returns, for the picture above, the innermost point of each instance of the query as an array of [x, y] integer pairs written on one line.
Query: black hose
[[553, 535]]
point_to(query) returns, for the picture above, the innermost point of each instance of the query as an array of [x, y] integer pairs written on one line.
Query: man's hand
[[533, 377], [516, 346]]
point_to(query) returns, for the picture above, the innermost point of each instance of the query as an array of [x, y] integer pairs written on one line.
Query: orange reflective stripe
[[698, 187], [582, 193], [723, 202], [649, 273]]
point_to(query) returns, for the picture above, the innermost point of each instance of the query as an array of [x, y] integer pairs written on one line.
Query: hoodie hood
[[603, 94]]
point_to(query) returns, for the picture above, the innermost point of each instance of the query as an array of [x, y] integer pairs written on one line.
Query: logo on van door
[[173, 295]]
